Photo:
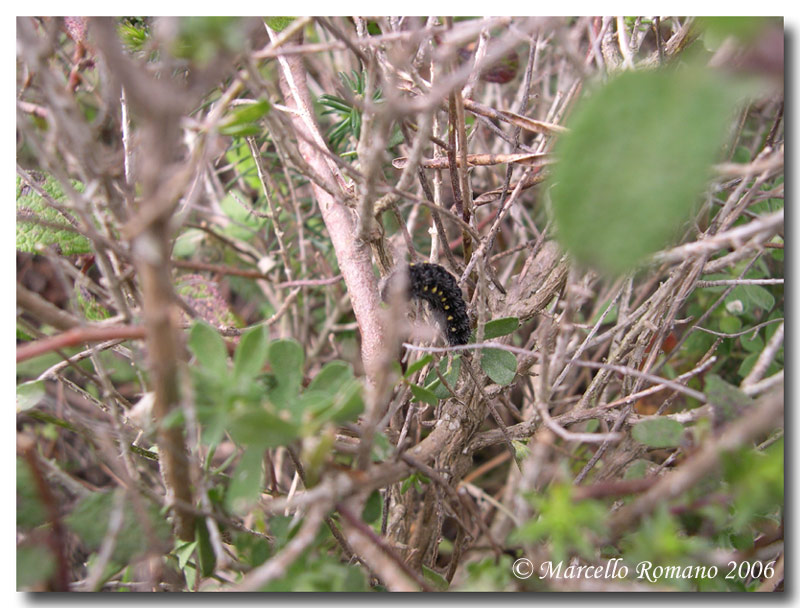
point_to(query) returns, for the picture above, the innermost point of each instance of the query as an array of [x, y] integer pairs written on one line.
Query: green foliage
[[757, 480], [416, 480], [262, 409], [347, 116], [244, 225], [205, 552], [618, 197], [133, 33], [658, 433], [569, 526], [434, 579], [423, 394], [91, 308], [209, 347], [727, 400], [29, 394], [499, 365], [659, 540], [279, 23], [243, 120], [35, 564], [320, 573], [745, 29], [201, 39], [450, 369], [488, 574], [247, 482], [500, 327], [90, 521], [32, 236], [31, 513]]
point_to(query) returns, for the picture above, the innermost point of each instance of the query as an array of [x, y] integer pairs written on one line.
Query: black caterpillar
[[432, 283]]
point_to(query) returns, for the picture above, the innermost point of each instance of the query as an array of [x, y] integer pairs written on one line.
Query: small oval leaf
[[500, 327], [658, 433], [499, 365]]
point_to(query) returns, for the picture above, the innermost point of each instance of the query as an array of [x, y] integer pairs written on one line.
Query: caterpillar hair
[[436, 286]]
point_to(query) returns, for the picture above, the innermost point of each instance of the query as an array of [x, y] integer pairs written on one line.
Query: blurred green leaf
[[243, 121], [30, 510], [251, 354], [432, 382], [202, 39], [245, 225], [567, 524], [279, 23], [205, 552], [332, 376], [746, 29], [257, 427], [29, 394], [636, 161], [500, 327], [31, 208], [727, 401], [499, 365], [423, 394], [434, 579], [208, 347], [286, 359], [90, 520], [35, 564], [418, 365], [658, 433], [247, 482]]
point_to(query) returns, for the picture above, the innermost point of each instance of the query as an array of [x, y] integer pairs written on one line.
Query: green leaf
[[424, 395], [286, 359], [372, 508], [33, 236], [244, 225], [500, 327], [35, 564], [760, 297], [29, 394], [436, 580], [418, 365], [432, 382], [245, 117], [727, 401], [250, 355], [184, 553], [279, 23], [239, 156], [247, 482], [499, 365], [618, 197], [30, 510], [90, 520], [208, 347], [205, 552], [658, 433], [567, 524], [331, 377], [258, 427], [637, 469]]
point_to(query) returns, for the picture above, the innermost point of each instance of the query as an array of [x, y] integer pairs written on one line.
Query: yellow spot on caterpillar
[[449, 317], [424, 288], [412, 264], [452, 329], [433, 289], [444, 299], [446, 307]]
